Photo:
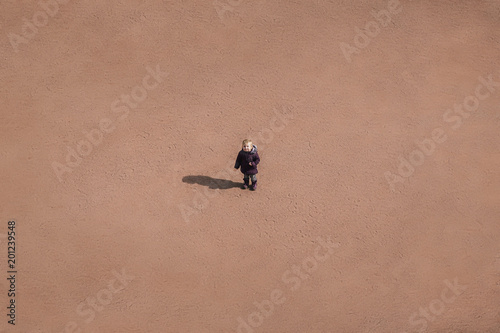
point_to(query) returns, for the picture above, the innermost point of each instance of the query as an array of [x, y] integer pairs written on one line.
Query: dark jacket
[[245, 158]]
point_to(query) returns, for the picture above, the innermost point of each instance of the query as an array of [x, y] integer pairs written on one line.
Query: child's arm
[[256, 160], [237, 163]]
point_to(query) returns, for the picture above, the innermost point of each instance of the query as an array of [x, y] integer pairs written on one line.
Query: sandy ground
[[377, 208]]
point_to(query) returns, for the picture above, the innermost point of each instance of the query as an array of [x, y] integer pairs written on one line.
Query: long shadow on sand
[[212, 183]]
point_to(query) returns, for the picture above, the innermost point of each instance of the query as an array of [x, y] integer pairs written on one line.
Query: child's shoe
[[254, 186], [245, 186]]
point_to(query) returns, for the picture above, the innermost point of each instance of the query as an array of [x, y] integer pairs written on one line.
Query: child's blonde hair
[[246, 141]]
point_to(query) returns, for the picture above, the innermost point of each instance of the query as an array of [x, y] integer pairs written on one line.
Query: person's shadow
[[212, 183]]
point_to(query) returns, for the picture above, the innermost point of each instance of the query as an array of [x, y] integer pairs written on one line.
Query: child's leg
[[247, 181], [254, 182]]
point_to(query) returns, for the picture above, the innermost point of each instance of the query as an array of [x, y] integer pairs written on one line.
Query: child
[[248, 158]]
